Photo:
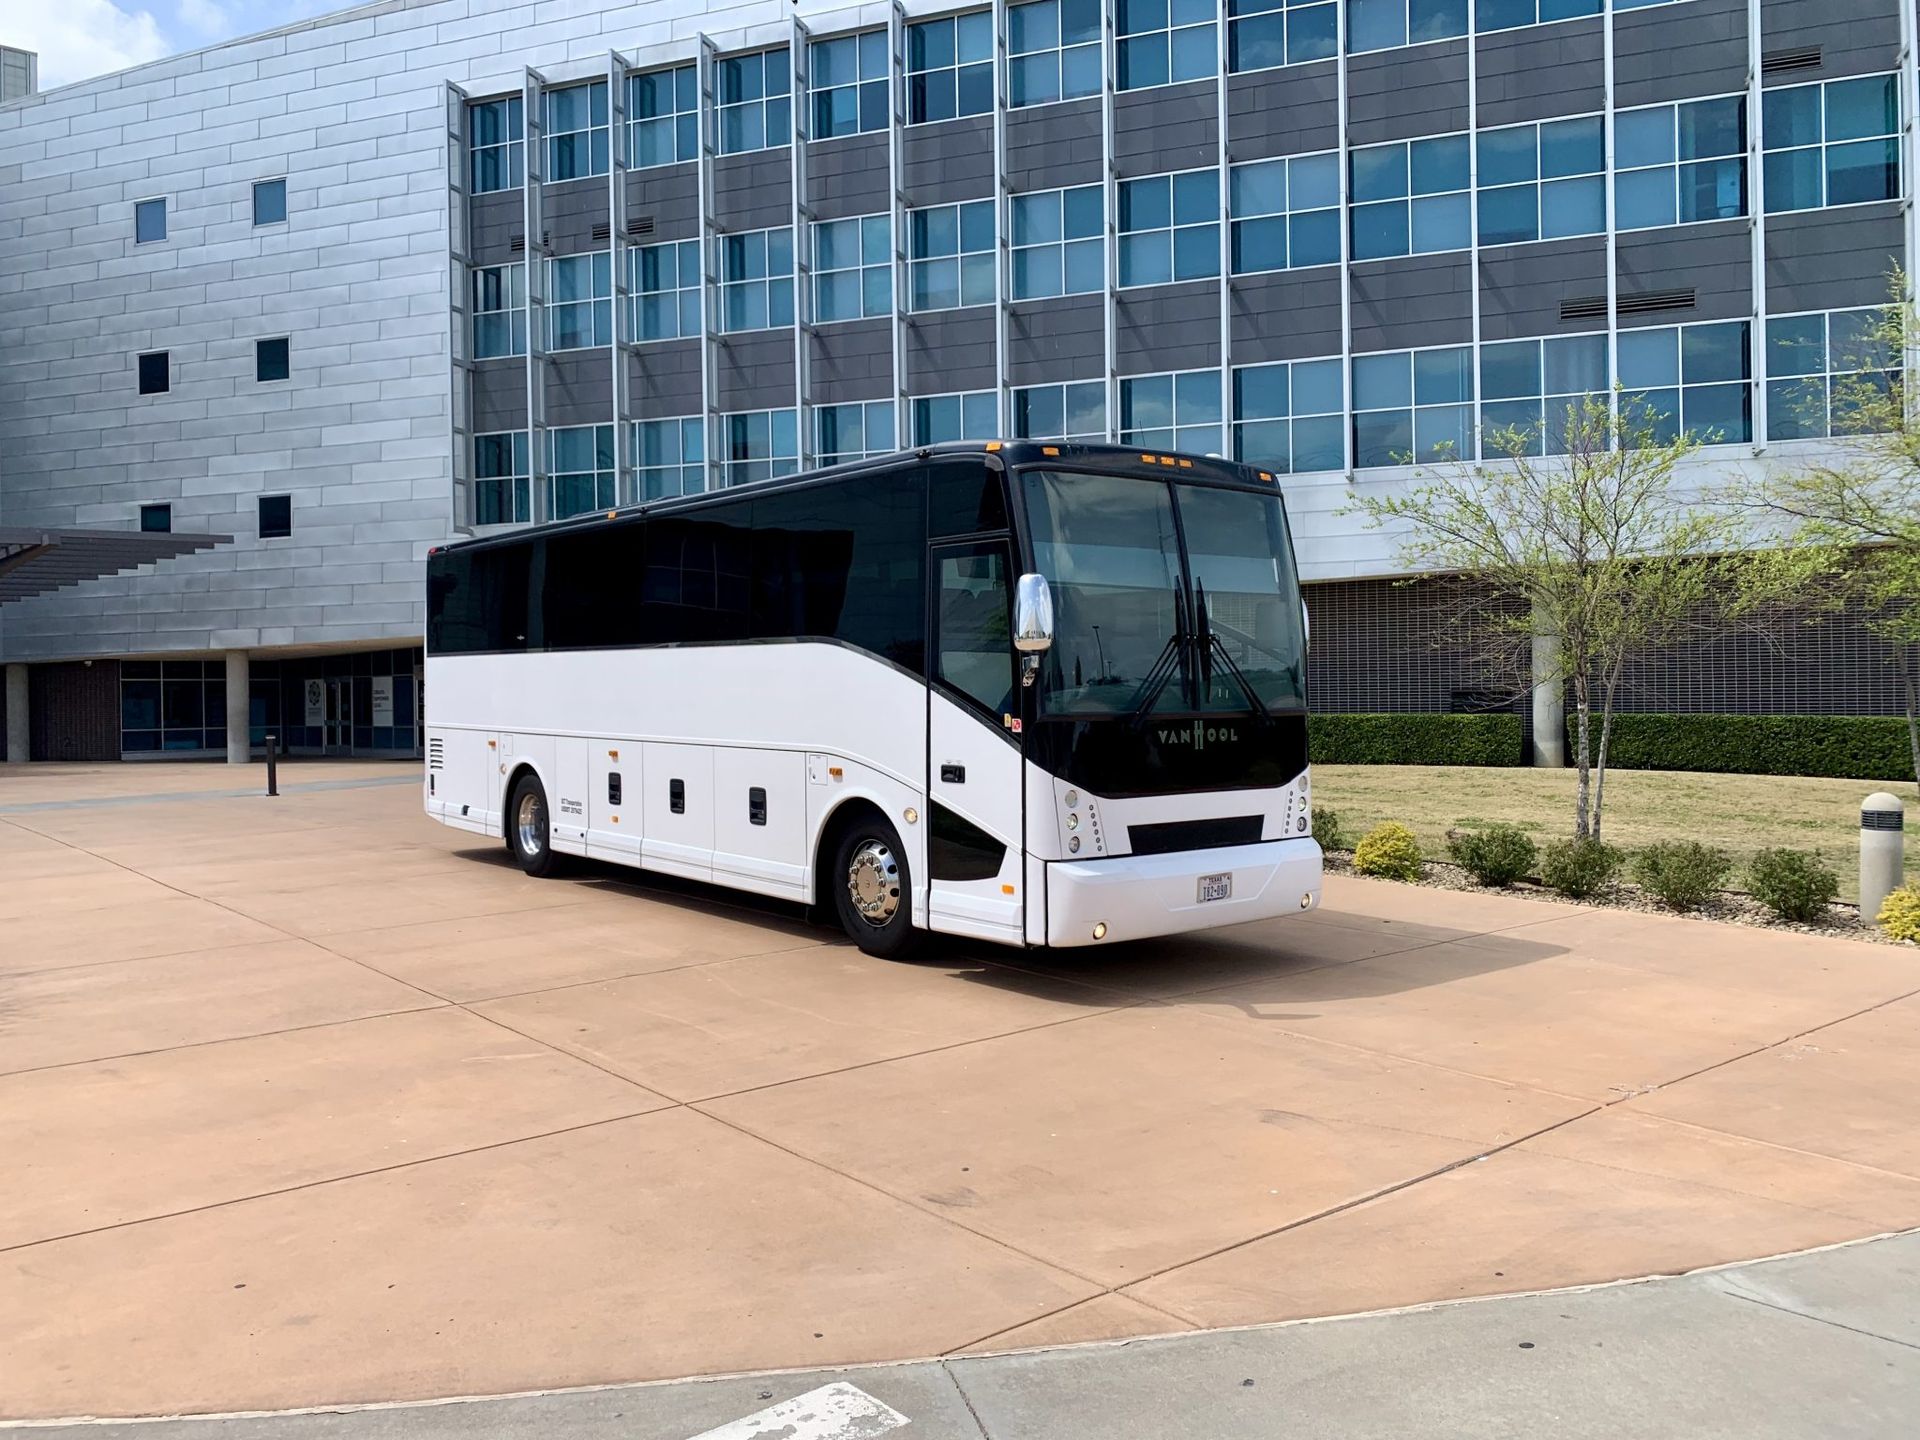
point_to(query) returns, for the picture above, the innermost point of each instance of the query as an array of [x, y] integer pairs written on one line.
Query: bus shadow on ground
[[1268, 969]]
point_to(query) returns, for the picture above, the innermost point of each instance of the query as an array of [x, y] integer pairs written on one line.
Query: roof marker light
[[992, 445]]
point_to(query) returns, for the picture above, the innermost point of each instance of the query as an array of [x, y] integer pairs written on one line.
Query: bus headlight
[[1073, 820]]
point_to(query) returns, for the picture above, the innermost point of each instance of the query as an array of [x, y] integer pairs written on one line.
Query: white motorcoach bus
[[1030, 693]]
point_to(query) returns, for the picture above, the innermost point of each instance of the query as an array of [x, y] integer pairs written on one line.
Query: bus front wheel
[[872, 889], [529, 834]]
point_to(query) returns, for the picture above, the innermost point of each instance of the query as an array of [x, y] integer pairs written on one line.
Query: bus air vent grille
[[436, 754], [1169, 836]]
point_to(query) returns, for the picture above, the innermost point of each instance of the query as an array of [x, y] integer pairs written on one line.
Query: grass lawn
[[1738, 813]]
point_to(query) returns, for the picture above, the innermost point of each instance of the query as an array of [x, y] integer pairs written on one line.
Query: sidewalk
[[1822, 1345]]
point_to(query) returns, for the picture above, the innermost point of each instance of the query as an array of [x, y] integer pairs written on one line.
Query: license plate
[[1215, 887]]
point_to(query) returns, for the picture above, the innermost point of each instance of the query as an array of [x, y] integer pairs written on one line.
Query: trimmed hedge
[[1414, 739], [1847, 747]]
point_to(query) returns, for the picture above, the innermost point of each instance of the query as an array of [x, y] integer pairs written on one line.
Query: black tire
[[869, 859], [529, 827]]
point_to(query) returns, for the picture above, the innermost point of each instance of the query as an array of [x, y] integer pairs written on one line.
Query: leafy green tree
[[1576, 529]]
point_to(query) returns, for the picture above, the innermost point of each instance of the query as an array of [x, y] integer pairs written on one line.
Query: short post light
[[1882, 851]]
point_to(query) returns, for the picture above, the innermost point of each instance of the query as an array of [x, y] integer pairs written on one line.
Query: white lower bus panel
[[1135, 897]]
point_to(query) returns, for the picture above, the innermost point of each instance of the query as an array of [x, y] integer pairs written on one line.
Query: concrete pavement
[[309, 1101], [1822, 1345]]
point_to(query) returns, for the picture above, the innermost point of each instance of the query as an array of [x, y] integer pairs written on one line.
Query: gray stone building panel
[[574, 216], [1400, 94], [1052, 146], [1714, 261], [852, 361], [1826, 260], [1286, 315], [1167, 327], [663, 379], [580, 387], [947, 162], [1290, 111], [1679, 52], [1169, 127], [667, 195], [755, 372], [1522, 287], [753, 191], [1866, 41], [1405, 304], [952, 350], [848, 176], [1055, 340], [1539, 72]]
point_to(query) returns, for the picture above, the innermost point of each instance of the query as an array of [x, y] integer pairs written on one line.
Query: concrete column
[[16, 714], [239, 744], [1549, 701]]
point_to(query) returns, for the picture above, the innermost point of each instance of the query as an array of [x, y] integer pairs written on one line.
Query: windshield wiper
[[1209, 645], [1172, 656]]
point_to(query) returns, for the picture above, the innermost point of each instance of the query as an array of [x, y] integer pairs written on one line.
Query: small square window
[[156, 519], [149, 221], [270, 360], [276, 516], [269, 202], [154, 376]]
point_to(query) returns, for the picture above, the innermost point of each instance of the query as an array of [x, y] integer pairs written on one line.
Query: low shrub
[[1580, 869], [1388, 851], [1329, 830], [1794, 884], [1681, 874], [1414, 739], [1850, 747], [1497, 855], [1900, 915]]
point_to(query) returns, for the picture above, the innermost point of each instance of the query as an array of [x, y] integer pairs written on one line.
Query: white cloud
[[77, 39]]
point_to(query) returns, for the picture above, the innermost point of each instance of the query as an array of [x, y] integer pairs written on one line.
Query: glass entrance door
[[338, 739]]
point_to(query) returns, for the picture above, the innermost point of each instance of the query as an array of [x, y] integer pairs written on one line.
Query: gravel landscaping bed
[[1730, 906]]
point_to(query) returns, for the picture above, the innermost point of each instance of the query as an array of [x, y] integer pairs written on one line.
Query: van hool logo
[[1199, 735]]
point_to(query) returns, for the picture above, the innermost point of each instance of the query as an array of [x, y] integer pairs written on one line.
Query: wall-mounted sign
[[316, 702], [383, 700]]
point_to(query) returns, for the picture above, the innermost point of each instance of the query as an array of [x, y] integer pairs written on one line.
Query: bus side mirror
[[1032, 615]]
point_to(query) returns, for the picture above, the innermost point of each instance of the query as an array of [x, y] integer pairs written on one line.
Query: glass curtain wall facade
[[1324, 238]]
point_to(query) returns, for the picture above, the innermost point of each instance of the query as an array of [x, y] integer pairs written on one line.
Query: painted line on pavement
[[833, 1412], [35, 807]]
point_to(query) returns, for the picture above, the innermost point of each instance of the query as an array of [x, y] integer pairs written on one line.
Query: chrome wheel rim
[[531, 823], [873, 882]]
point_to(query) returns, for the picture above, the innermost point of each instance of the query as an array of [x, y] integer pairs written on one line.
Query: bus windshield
[[1143, 623]]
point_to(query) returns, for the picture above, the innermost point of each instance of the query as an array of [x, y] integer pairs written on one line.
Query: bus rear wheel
[[872, 890], [529, 833]]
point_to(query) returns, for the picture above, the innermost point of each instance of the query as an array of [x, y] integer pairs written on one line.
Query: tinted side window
[[477, 600], [845, 562], [697, 578], [965, 498], [590, 598]]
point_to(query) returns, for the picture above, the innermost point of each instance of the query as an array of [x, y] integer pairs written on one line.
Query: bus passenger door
[[975, 864]]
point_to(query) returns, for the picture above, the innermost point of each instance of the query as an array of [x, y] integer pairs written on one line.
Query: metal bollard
[[1882, 843], [273, 774]]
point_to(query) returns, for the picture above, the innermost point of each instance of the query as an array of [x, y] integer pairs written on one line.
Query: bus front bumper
[[1133, 897]]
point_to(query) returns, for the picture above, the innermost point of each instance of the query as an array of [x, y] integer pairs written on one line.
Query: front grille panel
[[1168, 836]]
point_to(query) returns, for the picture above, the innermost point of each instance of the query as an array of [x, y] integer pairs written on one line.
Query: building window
[[952, 256], [1830, 374], [149, 221], [1695, 378], [974, 416], [1290, 417], [1490, 15], [1385, 24], [499, 311], [1675, 164], [756, 280], [580, 301], [1410, 198], [1831, 144], [494, 141], [269, 202], [950, 67], [670, 458], [1531, 389], [580, 470], [1059, 245], [156, 519], [752, 96], [852, 268], [1542, 182], [760, 444], [663, 117], [666, 285], [172, 705], [501, 479], [1263, 34], [1076, 411], [1164, 41], [1170, 228], [852, 432], [271, 360], [1286, 213], [1172, 412], [155, 373], [1053, 50], [847, 78], [576, 131], [1413, 405], [276, 517]]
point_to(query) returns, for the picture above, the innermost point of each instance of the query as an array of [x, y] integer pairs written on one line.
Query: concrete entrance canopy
[[34, 561]]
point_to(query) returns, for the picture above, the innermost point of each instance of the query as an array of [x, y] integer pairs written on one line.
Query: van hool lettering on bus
[[1199, 735]]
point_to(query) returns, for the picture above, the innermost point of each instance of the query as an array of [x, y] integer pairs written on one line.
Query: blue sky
[[81, 38]]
